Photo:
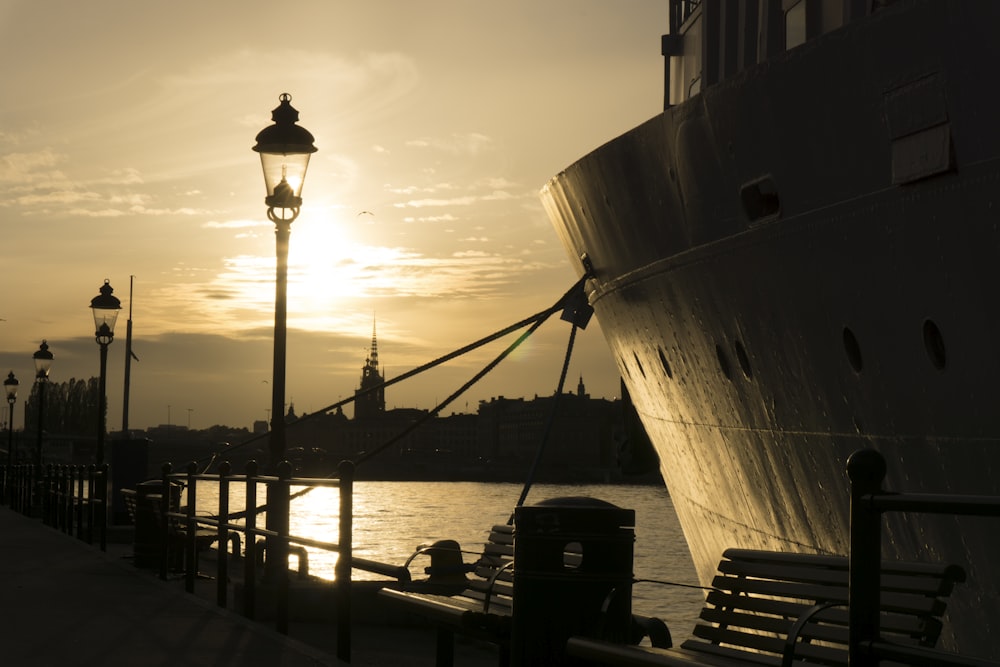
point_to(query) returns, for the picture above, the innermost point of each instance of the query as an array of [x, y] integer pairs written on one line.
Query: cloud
[[234, 224], [35, 169], [446, 217], [471, 143], [420, 203]]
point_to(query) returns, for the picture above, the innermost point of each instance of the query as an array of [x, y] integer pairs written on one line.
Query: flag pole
[[128, 359]]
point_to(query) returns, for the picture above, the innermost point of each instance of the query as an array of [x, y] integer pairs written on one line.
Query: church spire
[[372, 360], [369, 399]]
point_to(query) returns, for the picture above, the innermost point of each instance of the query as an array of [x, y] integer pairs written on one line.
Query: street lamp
[[284, 149], [10, 386], [43, 362], [105, 307]]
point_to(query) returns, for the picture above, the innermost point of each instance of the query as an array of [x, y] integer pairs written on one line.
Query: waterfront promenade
[[64, 602]]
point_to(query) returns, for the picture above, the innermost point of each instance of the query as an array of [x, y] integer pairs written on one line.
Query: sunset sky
[[125, 150]]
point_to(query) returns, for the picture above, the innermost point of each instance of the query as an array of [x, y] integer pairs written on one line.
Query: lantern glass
[[43, 361], [106, 307], [284, 175], [10, 386]]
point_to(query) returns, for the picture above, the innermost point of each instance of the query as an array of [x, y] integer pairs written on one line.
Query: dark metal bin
[[147, 542], [558, 594]]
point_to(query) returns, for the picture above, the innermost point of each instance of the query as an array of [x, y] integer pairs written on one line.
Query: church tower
[[370, 405]]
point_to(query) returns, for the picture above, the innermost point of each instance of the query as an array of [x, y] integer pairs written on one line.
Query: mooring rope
[[548, 425], [535, 321]]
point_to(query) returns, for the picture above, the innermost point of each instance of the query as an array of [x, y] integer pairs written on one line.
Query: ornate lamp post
[[105, 307], [284, 149], [10, 387], [43, 362]]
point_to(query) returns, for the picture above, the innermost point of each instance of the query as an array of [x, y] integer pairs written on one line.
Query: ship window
[[760, 199], [623, 365], [795, 25], [639, 364], [934, 344], [723, 362], [666, 365], [853, 350]]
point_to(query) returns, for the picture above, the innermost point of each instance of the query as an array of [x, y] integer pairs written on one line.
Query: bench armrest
[[793, 635], [492, 582]]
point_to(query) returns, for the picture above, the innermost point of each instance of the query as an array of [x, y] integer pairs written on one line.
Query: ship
[[797, 259]]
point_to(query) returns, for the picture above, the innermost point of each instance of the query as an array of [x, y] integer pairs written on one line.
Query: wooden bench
[[780, 609], [176, 530], [129, 498], [477, 605], [476, 599]]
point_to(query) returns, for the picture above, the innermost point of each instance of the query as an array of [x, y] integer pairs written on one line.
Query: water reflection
[[392, 518]]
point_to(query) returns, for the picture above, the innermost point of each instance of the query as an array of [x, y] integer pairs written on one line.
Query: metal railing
[[70, 498], [866, 469], [187, 527]]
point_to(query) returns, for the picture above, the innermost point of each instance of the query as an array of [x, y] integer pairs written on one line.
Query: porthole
[[853, 350], [665, 363], [741, 356], [934, 344], [622, 363], [723, 362], [639, 364]]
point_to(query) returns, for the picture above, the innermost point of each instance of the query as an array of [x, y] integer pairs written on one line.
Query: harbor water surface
[[391, 519]]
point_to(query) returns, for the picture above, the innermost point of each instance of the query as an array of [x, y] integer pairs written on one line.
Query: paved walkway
[[63, 602]]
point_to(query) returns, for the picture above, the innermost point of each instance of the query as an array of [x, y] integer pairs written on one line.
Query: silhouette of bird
[[367, 213]]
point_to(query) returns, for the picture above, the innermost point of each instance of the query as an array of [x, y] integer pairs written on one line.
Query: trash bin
[[572, 576], [129, 460], [147, 542]]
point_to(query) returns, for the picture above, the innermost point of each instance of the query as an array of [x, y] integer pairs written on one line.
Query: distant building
[[581, 435]]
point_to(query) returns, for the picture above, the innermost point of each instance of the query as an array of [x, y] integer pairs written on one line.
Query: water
[[391, 519]]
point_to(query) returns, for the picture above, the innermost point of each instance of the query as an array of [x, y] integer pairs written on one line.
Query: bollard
[[222, 563], [572, 576], [250, 553]]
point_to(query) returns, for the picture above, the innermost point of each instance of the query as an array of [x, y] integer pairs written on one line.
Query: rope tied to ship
[[575, 310]]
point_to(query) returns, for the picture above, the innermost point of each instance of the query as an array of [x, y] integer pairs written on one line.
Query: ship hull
[[801, 262]]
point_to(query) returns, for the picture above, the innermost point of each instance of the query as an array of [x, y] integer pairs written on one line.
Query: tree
[[70, 408]]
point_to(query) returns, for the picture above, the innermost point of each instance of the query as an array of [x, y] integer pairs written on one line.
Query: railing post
[[67, 499], [72, 474], [57, 503], [104, 471], [85, 504], [164, 523], [190, 544], [250, 551], [222, 563], [46, 500], [866, 469], [281, 524], [92, 500], [344, 566], [45, 497]]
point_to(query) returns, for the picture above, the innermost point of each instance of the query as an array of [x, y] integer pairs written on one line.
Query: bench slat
[[891, 600], [943, 570], [922, 582]]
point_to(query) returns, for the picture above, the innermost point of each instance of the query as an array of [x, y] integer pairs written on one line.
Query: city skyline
[[125, 151]]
